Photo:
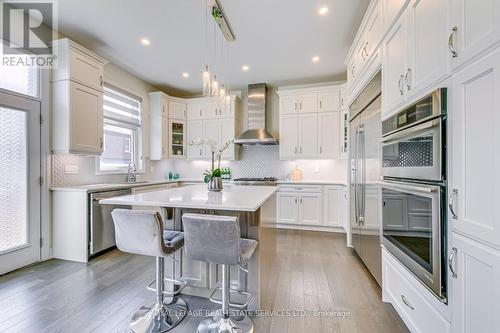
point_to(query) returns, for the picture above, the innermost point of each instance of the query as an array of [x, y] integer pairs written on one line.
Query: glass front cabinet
[[177, 139]]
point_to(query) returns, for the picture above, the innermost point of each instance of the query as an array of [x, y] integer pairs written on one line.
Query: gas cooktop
[[269, 181]]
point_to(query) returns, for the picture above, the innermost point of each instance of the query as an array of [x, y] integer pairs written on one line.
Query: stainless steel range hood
[[256, 133]]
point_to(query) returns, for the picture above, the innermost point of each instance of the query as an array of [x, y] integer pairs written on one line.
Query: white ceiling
[[275, 38]]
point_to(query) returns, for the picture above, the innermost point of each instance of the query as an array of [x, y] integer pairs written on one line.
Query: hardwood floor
[[313, 272]]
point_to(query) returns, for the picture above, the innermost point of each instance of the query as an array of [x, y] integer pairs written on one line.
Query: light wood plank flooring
[[313, 272]]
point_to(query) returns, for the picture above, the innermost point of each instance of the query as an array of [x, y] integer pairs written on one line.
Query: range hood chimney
[[257, 111]]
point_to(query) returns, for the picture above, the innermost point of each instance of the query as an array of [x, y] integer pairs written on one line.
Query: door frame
[[25, 104]]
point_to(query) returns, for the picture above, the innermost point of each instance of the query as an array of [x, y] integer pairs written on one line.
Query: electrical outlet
[[71, 169]]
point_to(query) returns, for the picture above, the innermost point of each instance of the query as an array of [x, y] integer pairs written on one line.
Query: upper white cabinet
[[329, 101], [475, 286], [475, 141], [365, 46], [77, 100], [158, 126], [394, 66], [415, 54], [78, 64], [210, 119], [310, 122], [328, 139], [391, 9], [176, 110], [474, 28]]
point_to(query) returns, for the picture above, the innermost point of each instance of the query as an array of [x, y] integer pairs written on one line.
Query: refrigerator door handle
[[355, 176]]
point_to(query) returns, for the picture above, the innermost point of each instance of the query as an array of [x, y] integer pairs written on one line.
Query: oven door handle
[[415, 188], [407, 132]]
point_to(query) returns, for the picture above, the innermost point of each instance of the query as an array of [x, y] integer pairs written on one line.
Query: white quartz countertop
[[311, 182], [113, 186], [235, 198]]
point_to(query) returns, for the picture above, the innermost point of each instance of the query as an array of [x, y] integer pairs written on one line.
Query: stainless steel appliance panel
[[412, 229], [102, 228], [365, 136]]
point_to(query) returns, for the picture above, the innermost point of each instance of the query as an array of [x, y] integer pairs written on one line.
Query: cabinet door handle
[[295, 105], [408, 78], [451, 259], [300, 150], [301, 201], [451, 204], [200, 152], [295, 150], [100, 78], [401, 78], [300, 105], [295, 200], [101, 143], [408, 304], [320, 104], [320, 150], [200, 113], [451, 46], [342, 102]]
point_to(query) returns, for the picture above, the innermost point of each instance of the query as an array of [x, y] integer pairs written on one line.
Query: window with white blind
[[122, 131]]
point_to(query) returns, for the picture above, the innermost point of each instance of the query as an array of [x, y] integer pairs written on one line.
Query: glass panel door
[[19, 181], [177, 139]]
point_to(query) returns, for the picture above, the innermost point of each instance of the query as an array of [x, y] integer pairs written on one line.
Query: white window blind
[[122, 131]]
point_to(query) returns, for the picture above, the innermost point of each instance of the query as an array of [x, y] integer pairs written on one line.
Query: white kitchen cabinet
[[352, 73], [394, 66], [76, 63], [373, 30], [209, 119], [288, 104], [176, 110], [310, 208], [77, 100], [194, 134], [344, 97], [334, 206], [415, 52], [227, 133], [474, 122], [475, 287], [158, 126], [328, 139], [308, 103], [289, 129], [287, 207], [428, 55], [177, 139], [308, 135], [475, 28], [391, 9], [329, 101], [211, 131], [195, 111]]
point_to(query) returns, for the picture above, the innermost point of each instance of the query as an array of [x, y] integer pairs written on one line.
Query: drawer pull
[[408, 304]]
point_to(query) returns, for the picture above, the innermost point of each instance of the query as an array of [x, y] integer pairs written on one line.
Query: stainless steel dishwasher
[[102, 228]]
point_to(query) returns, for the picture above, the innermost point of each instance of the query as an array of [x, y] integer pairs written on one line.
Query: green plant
[[208, 175]]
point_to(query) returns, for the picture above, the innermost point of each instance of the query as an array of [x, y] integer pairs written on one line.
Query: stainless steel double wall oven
[[414, 222]]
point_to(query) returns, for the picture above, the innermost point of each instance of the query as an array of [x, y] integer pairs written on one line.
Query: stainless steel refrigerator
[[364, 142]]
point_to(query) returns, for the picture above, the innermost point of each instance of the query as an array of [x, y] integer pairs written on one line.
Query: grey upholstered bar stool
[[142, 232], [216, 239]]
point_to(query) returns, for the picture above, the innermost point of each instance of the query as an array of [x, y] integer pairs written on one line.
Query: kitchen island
[[255, 207]]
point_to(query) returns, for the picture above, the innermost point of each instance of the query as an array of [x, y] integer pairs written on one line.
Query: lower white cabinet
[[334, 206], [476, 286], [311, 206], [420, 312]]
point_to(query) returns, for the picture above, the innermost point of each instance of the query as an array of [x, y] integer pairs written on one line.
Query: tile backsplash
[[256, 161]]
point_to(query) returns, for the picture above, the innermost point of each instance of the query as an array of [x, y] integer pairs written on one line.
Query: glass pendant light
[[207, 84], [205, 74], [215, 86]]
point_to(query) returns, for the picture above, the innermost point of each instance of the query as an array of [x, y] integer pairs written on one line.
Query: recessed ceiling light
[[245, 68], [145, 41], [323, 10], [315, 59], [185, 75]]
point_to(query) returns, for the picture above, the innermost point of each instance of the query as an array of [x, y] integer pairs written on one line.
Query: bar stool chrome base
[[219, 324], [159, 317]]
